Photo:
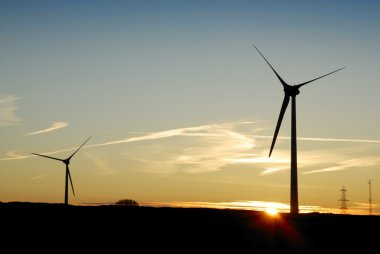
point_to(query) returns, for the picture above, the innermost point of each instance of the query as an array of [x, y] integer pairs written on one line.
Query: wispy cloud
[[14, 155], [101, 164], [361, 208], [220, 145], [213, 152], [35, 178], [322, 139], [212, 147], [217, 145], [53, 127], [190, 131], [7, 110], [272, 170], [352, 163], [269, 165]]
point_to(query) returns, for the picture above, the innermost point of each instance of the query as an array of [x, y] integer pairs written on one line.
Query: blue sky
[[132, 69]]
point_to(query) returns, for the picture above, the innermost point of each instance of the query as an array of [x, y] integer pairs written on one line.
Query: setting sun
[[272, 211]]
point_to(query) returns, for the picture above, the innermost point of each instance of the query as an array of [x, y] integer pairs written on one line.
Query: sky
[[180, 106]]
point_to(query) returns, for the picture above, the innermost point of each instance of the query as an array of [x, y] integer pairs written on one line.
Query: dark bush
[[127, 202]]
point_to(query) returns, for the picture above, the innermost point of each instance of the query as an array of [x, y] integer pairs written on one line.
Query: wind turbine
[[68, 175], [290, 92]]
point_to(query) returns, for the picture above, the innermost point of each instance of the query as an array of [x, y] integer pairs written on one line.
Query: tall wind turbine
[[68, 175], [290, 92]]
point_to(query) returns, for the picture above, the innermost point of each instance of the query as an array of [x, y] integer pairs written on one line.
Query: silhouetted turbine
[[68, 175], [290, 91]]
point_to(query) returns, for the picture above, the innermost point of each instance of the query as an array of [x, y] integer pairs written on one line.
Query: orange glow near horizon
[[271, 208], [272, 212]]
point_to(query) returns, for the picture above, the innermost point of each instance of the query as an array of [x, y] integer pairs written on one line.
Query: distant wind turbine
[[68, 175], [290, 92]]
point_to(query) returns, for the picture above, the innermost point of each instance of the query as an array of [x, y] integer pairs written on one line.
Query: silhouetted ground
[[54, 227]]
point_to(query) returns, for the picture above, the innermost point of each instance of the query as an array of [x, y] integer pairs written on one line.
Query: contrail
[[53, 127], [323, 139], [190, 131], [197, 131]]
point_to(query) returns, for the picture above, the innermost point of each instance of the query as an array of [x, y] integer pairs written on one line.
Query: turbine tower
[[68, 175], [290, 92]]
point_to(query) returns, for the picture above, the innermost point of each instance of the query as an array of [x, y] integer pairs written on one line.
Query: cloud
[[352, 163], [190, 131], [213, 152], [270, 165], [39, 177], [13, 155], [362, 208], [101, 164], [7, 110], [212, 147], [322, 139], [53, 127], [273, 170], [217, 145]]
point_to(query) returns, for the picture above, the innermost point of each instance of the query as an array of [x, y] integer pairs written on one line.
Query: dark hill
[[55, 227]]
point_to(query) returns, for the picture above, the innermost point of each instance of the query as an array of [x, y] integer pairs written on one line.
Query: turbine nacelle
[[291, 90]]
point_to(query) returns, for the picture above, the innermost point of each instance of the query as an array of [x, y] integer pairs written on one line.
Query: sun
[[272, 211]]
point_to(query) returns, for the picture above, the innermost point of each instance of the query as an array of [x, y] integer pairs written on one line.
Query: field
[[53, 227]]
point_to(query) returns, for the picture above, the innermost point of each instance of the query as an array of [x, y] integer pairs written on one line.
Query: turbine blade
[[278, 76], [71, 180], [79, 148], [279, 121], [49, 157], [302, 84]]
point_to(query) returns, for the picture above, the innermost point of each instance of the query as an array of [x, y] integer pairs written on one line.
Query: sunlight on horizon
[[239, 205], [262, 206], [272, 212]]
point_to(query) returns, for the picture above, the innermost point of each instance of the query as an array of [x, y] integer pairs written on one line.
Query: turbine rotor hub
[[291, 90]]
